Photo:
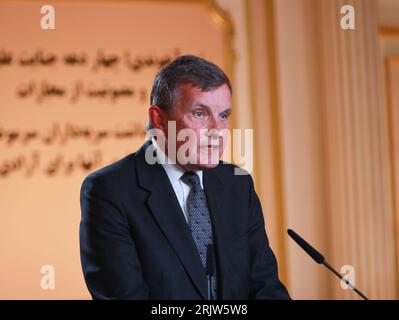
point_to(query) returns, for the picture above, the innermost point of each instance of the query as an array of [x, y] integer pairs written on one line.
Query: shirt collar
[[174, 171]]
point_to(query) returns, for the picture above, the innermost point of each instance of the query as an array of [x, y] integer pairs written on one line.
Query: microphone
[[209, 269], [319, 258]]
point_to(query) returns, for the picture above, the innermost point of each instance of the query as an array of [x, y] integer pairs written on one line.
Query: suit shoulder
[[231, 173], [114, 173]]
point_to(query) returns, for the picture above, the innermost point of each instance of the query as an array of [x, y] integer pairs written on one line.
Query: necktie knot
[[191, 178]]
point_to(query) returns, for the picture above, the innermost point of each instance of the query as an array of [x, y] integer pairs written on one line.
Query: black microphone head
[[317, 256], [209, 260]]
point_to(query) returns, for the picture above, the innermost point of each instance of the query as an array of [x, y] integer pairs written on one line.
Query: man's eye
[[224, 116], [199, 114]]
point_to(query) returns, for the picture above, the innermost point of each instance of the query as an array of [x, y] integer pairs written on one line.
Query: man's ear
[[157, 117]]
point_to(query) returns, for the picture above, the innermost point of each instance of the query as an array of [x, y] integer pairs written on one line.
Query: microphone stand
[[319, 258], [345, 280]]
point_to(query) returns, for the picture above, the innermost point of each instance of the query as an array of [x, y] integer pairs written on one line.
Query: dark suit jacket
[[136, 244]]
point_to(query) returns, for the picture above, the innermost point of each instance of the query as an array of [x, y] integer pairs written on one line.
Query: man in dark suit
[[184, 226]]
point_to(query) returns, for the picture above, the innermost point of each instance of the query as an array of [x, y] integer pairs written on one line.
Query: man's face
[[206, 114]]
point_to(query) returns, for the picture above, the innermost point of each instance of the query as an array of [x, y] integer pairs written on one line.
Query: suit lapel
[[166, 210]]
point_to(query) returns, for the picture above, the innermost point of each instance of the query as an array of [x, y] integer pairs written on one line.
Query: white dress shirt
[[175, 172]]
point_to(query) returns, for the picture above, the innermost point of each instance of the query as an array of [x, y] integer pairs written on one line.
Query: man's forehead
[[190, 88], [198, 96], [217, 106]]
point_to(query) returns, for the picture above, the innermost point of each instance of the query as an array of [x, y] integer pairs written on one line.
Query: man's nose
[[214, 129], [215, 124]]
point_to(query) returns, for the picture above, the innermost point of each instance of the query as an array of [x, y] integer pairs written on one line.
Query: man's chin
[[200, 166], [208, 165]]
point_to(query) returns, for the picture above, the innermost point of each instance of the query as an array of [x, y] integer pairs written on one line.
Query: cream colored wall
[[267, 125], [388, 12], [236, 11], [302, 142], [286, 127], [317, 102], [388, 19], [254, 107]]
